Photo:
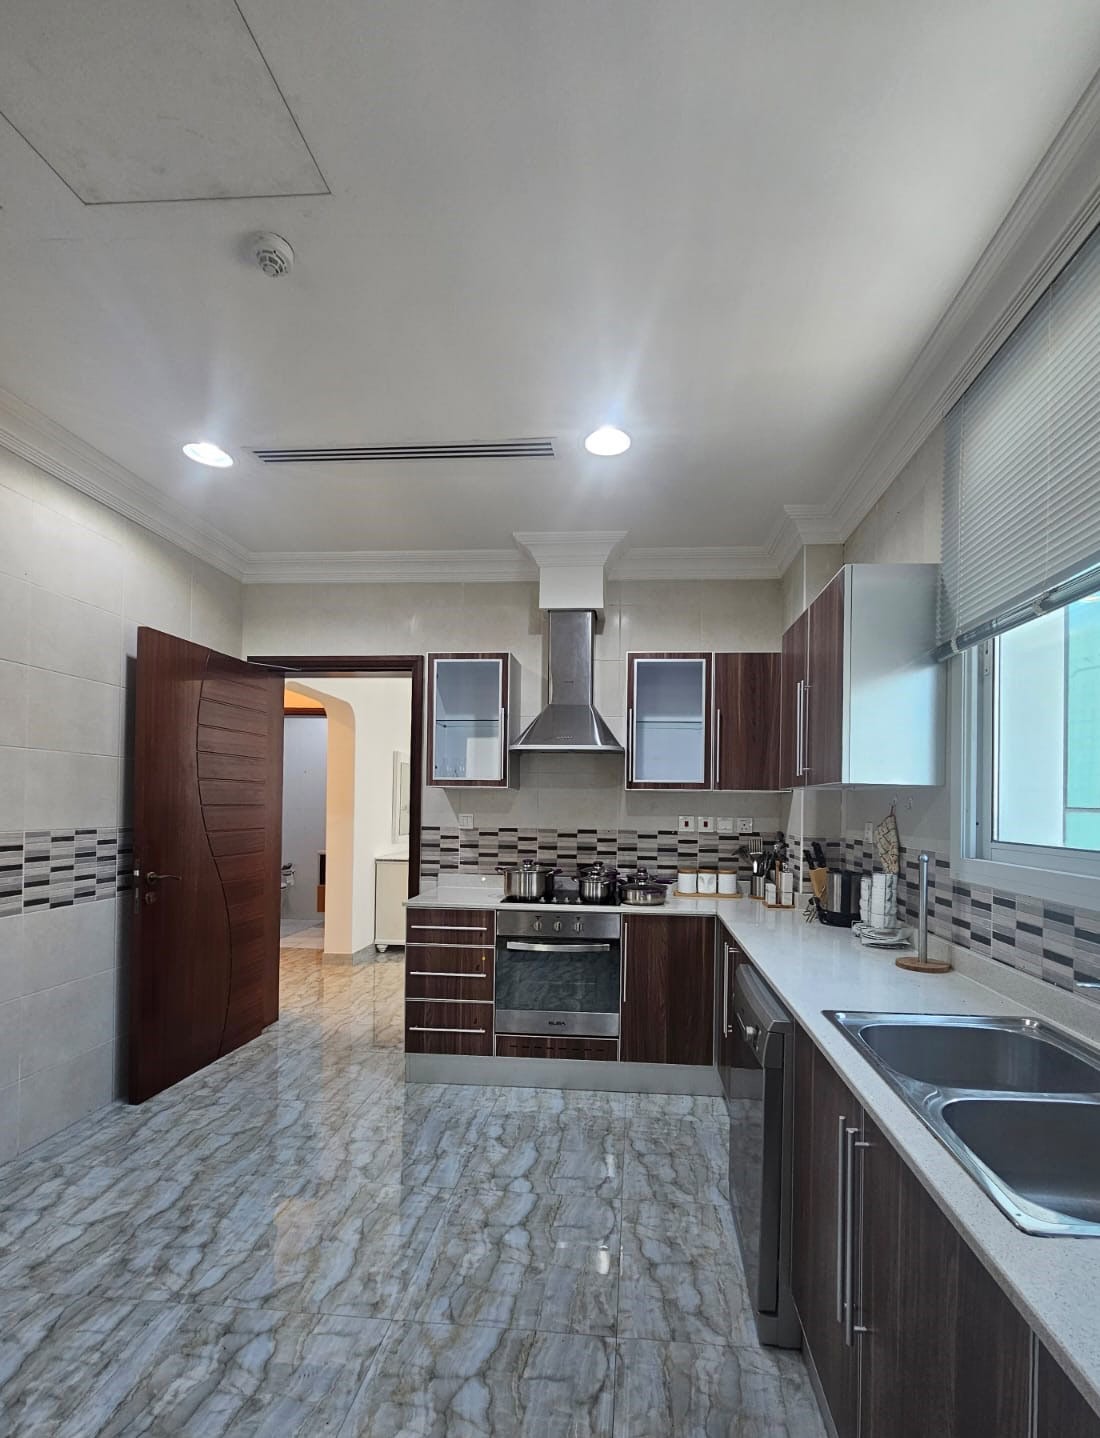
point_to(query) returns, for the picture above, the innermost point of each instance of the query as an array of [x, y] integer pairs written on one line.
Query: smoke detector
[[273, 255]]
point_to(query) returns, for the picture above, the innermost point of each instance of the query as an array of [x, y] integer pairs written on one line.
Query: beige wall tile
[[741, 616], [65, 790], [11, 1041], [61, 945], [156, 588], [74, 638], [67, 1020], [11, 957], [9, 1122], [77, 715], [14, 618], [13, 775], [16, 532], [71, 559], [53, 1098], [13, 703], [217, 609]]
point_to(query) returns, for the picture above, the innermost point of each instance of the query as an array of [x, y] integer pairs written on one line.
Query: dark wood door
[[824, 716], [208, 768], [747, 708], [823, 1111], [792, 692], [943, 1352], [668, 990], [1062, 1412]]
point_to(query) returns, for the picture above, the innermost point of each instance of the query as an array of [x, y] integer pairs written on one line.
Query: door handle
[[152, 877], [851, 1327]]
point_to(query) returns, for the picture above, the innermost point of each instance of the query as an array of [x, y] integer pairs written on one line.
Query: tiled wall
[[76, 580], [663, 849]]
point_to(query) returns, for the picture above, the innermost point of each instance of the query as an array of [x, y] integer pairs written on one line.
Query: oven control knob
[[578, 926], [557, 926], [538, 926]]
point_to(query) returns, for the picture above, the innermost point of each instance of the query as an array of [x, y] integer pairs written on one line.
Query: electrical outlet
[[744, 826], [465, 821], [725, 826], [706, 824], [869, 832], [687, 824]]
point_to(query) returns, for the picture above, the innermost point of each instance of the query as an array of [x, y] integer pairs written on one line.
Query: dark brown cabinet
[[792, 686], [667, 990], [823, 718], [747, 707], [449, 981], [1061, 1412]]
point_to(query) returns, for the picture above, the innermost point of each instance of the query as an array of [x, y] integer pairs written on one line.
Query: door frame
[[349, 666]]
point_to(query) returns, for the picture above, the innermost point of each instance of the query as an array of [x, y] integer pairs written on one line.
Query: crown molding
[[814, 523], [26, 432], [389, 566]]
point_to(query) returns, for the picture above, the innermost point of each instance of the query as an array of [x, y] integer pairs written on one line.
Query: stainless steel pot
[[528, 881], [597, 884], [643, 895]]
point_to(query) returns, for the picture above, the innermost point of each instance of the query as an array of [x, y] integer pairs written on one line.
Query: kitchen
[[695, 414]]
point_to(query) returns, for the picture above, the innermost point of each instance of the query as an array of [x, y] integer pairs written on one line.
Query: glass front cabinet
[[468, 719], [668, 699]]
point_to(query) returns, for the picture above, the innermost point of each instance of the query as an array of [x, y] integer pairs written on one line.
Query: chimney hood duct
[[569, 724]]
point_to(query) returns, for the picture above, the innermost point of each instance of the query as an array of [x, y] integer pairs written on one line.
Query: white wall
[[305, 744], [76, 580], [369, 718]]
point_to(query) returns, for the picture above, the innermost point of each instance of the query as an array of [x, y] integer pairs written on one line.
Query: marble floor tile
[[546, 1262], [457, 1381], [679, 1390], [550, 1153], [676, 1161], [681, 1278]]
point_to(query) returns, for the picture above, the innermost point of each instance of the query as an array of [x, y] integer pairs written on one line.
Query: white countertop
[[485, 891], [1053, 1281]]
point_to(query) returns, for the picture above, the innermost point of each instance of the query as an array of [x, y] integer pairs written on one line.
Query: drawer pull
[[449, 928], [421, 944], [424, 1029], [442, 974]]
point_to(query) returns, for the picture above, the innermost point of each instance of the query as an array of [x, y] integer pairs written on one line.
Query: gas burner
[[561, 901]]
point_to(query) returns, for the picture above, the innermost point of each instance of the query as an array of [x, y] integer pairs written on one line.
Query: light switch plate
[[869, 832], [707, 824], [725, 826], [465, 821], [744, 826], [687, 824]]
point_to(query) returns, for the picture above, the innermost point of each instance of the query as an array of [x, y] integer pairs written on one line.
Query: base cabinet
[[1061, 1412], [732, 1053], [667, 990]]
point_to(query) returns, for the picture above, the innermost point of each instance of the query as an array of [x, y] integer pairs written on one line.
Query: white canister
[[727, 880], [744, 887], [708, 881], [687, 881], [769, 893]]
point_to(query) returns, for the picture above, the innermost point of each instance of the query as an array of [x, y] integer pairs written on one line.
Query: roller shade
[[1021, 515]]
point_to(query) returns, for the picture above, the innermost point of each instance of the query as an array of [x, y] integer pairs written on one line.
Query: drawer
[[523, 1046], [449, 972], [449, 926], [448, 1028]]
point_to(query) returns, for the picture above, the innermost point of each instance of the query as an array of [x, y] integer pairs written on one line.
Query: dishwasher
[[760, 1159]]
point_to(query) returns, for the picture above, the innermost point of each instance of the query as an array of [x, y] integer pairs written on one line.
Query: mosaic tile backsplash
[[55, 868], [1049, 941], [481, 850]]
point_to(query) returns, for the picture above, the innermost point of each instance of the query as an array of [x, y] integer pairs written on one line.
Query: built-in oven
[[761, 1157], [557, 973]]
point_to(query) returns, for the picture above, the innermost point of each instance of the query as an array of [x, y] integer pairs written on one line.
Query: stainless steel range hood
[[569, 723]]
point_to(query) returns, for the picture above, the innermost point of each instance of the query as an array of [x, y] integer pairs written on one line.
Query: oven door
[[558, 986]]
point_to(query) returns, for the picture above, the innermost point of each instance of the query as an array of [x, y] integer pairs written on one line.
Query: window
[[1039, 712]]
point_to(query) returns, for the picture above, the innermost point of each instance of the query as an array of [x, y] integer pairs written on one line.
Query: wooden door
[[1062, 1412], [792, 692], [747, 709], [824, 705], [208, 770], [667, 990], [943, 1352], [823, 1111]]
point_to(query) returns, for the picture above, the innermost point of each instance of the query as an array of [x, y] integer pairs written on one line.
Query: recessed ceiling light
[[607, 440], [203, 452]]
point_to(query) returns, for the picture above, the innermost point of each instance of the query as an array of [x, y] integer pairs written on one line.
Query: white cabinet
[[468, 719], [668, 700], [391, 889]]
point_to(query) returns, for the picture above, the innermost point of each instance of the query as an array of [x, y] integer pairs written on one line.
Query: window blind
[[1021, 514]]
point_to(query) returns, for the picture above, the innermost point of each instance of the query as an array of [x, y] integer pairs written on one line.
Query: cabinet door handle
[[442, 974], [841, 1224], [805, 727], [622, 963], [725, 990], [798, 730], [851, 1327], [503, 750], [718, 748], [631, 744], [426, 1029]]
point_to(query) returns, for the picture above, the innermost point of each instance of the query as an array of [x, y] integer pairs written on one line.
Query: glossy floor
[[294, 1242]]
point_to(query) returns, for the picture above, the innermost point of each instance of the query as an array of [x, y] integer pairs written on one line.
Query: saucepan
[[528, 880], [597, 883]]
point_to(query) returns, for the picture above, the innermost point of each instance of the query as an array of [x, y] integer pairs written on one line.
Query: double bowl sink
[[1014, 1099]]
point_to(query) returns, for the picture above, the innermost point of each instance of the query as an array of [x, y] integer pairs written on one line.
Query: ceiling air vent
[[385, 453]]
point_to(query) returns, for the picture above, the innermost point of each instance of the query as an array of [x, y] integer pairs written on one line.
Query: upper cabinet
[[468, 719], [747, 721], [668, 703], [862, 697]]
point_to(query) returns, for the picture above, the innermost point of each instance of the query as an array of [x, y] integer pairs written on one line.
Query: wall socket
[[707, 824], [869, 832], [744, 826], [465, 821], [725, 826], [687, 824]]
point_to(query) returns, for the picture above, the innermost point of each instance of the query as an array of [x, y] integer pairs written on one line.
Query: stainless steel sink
[[1015, 1100]]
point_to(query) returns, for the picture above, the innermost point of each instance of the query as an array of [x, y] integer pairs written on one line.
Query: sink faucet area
[[1015, 1100]]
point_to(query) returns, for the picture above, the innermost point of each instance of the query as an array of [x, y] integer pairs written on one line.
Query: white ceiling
[[729, 227]]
